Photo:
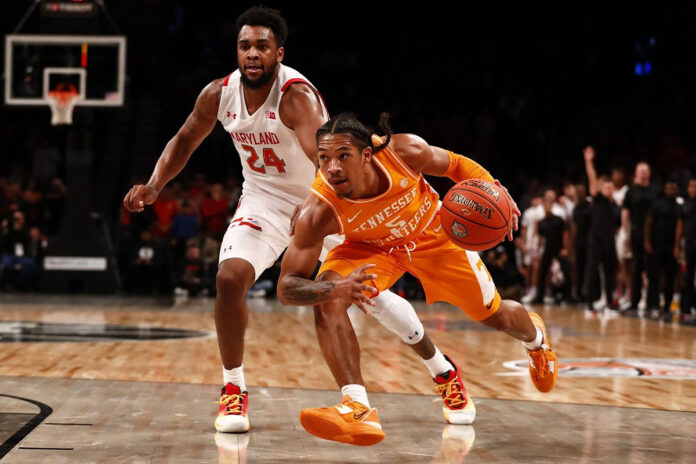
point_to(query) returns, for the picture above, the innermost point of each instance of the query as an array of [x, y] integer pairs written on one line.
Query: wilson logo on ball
[[458, 230], [470, 205]]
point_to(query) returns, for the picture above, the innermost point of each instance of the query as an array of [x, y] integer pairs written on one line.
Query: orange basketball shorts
[[447, 272]]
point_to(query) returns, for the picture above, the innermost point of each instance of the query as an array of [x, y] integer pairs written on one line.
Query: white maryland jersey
[[274, 165]]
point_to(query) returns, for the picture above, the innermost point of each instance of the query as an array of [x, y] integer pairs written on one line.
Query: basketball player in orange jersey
[[272, 114], [372, 190]]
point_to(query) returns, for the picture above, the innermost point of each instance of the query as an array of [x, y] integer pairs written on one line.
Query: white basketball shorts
[[259, 235]]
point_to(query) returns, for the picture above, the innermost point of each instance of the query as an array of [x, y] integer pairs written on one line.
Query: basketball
[[475, 214]]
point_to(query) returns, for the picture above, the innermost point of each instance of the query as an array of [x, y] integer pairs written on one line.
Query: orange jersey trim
[[333, 208], [395, 216]]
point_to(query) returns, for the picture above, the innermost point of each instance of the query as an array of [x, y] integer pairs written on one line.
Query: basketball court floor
[[109, 380]]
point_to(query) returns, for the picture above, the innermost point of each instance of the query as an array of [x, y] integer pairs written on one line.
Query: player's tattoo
[[301, 291]]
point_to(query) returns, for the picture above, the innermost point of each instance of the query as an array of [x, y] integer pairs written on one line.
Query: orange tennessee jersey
[[390, 219]]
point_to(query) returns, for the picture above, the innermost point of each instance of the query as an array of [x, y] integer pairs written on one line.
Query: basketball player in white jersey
[[272, 114]]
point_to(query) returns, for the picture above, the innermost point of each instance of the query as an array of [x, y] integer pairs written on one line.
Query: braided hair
[[347, 123]]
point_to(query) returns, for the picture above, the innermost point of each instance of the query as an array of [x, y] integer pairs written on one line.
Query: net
[[62, 101]]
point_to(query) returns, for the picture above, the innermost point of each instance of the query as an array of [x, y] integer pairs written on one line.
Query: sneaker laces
[[406, 247], [446, 390], [232, 402]]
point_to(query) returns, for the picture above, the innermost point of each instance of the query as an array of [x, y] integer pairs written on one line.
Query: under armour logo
[[270, 115], [229, 114]]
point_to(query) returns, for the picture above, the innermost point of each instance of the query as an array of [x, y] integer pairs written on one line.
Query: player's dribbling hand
[[516, 213], [352, 287], [139, 196]]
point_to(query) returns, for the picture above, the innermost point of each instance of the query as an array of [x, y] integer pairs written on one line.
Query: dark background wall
[[519, 89]]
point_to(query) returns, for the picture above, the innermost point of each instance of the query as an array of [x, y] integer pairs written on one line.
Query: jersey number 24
[[269, 159]]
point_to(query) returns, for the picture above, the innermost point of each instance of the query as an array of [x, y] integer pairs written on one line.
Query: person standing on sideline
[[636, 205], [582, 214], [660, 234], [601, 250], [686, 230]]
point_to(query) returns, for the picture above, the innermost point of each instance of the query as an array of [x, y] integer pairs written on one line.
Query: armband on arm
[[462, 168]]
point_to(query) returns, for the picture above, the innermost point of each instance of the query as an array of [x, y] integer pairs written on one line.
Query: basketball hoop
[[62, 101]]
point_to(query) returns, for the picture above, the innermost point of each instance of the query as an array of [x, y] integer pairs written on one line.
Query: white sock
[[235, 376], [356, 393], [536, 343], [438, 364]]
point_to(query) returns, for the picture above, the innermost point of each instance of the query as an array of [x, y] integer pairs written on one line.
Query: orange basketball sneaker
[[347, 422], [232, 414], [458, 406], [543, 363]]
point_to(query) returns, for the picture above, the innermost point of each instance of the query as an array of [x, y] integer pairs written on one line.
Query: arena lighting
[[69, 8], [639, 69], [643, 68]]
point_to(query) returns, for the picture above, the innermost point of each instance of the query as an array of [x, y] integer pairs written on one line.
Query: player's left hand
[[516, 213]]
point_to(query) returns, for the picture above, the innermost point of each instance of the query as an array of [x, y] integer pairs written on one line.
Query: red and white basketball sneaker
[[232, 415], [458, 407]]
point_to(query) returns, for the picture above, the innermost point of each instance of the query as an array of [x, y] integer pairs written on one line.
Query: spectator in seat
[[193, 276], [17, 266], [32, 204], [508, 280], [55, 204], [145, 263], [165, 207], [214, 212]]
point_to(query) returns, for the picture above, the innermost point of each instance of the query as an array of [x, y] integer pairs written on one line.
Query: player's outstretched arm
[[301, 110], [588, 154], [178, 150], [315, 221], [436, 161]]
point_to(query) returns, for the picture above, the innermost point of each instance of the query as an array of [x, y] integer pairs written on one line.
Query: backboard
[[37, 64]]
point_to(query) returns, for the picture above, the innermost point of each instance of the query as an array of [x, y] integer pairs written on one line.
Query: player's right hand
[[588, 153], [352, 287], [139, 196]]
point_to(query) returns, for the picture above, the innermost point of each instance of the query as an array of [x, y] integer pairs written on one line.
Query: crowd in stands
[[604, 243], [174, 245], [610, 245], [30, 210]]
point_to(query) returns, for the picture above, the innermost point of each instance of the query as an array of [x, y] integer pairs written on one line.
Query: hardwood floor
[[282, 360]]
